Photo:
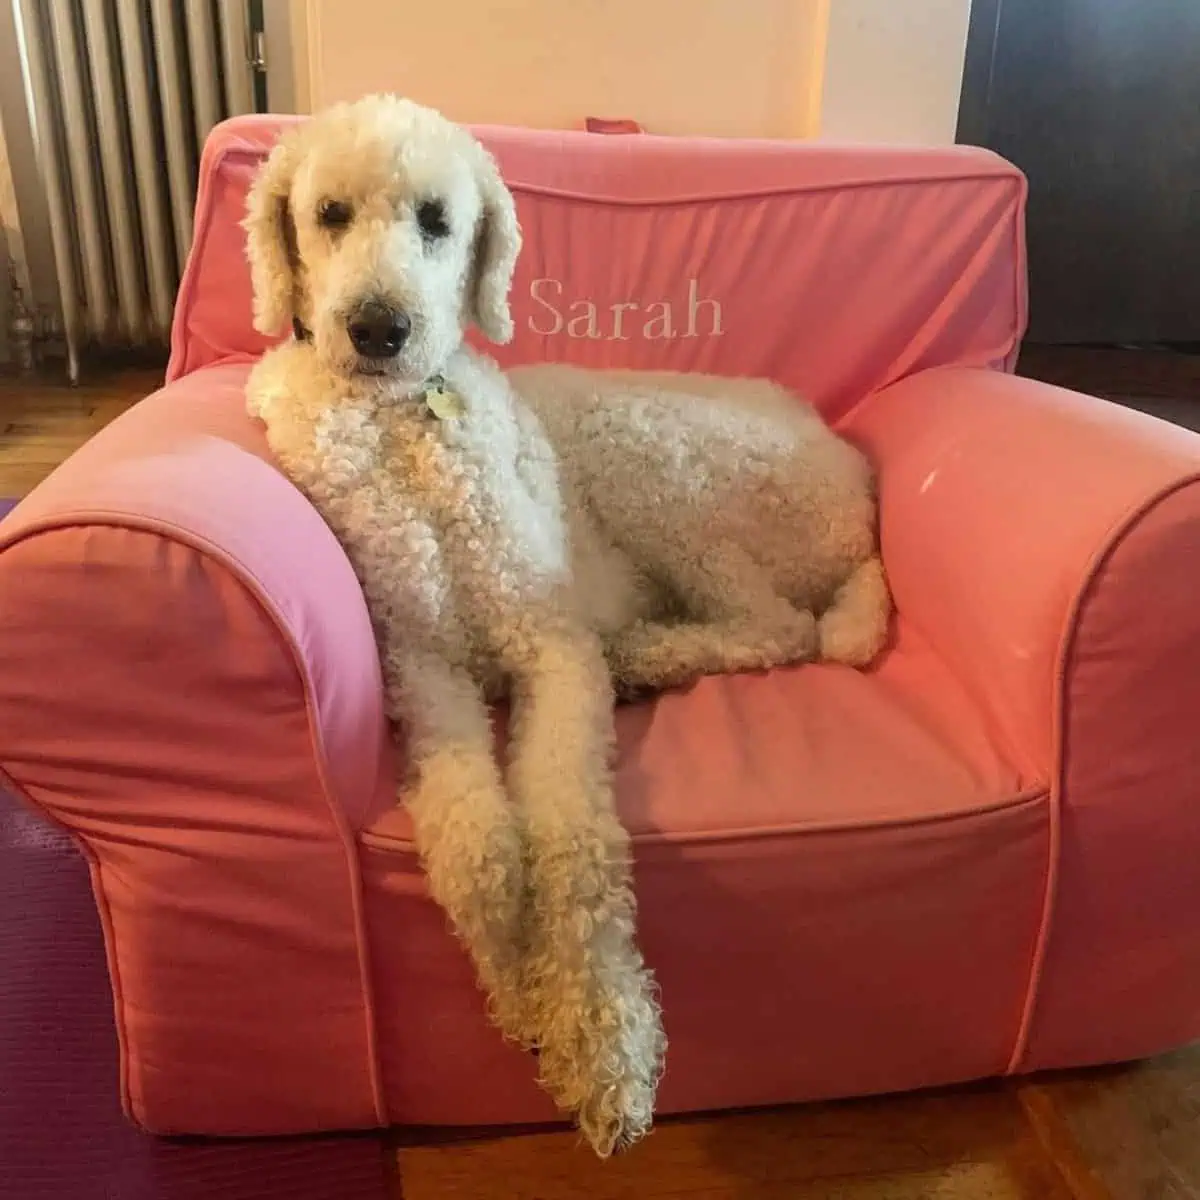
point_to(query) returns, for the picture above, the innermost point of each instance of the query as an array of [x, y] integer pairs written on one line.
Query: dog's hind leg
[[655, 655], [735, 621], [600, 1037], [854, 627], [467, 834]]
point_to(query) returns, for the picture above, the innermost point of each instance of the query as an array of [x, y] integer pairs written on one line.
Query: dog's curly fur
[[458, 534], [677, 524], [752, 524]]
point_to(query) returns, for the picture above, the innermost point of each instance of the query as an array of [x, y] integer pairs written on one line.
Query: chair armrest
[[1002, 500], [1048, 544], [189, 685]]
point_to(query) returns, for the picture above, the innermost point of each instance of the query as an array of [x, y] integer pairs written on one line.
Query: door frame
[[979, 67]]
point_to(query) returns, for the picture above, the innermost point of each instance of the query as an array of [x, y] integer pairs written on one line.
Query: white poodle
[[506, 537]]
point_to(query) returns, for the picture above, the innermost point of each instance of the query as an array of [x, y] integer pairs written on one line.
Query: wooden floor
[[1122, 1134], [44, 421], [1129, 1133]]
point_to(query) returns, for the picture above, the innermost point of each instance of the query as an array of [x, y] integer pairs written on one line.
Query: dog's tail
[[854, 628]]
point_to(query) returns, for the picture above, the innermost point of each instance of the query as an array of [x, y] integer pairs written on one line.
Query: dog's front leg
[[598, 1022], [467, 833]]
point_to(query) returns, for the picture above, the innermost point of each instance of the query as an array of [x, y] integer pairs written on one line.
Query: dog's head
[[383, 229]]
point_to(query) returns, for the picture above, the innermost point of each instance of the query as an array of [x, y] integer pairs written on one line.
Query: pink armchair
[[977, 858]]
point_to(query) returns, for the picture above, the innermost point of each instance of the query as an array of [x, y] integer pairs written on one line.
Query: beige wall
[[856, 70], [736, 67]]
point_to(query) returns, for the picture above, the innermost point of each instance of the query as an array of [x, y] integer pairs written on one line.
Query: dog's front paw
[[629, 1045], [600, 1035], [601, 1058]]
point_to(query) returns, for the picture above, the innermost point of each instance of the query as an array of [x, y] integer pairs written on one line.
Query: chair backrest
[[835, 270]]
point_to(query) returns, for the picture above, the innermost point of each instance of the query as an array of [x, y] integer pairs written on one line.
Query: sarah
[[654, 321]]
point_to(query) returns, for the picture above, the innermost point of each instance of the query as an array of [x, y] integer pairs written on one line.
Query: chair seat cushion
[[864, 827]]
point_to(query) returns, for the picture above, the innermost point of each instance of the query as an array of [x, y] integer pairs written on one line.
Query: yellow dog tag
[[443, 403]]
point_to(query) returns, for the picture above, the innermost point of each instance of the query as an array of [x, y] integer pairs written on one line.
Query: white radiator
[[122, 94]]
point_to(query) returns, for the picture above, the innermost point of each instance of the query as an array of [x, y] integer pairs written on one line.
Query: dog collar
[[441, 401]]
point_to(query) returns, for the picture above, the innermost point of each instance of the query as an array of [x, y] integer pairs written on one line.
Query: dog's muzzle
[[378, 330]]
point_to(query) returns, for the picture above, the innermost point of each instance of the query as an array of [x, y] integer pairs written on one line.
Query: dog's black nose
[[377, 330]]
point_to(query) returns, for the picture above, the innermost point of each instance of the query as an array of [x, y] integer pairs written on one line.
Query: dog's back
[[672, 462]]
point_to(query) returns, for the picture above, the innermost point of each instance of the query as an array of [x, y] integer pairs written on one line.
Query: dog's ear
[[497, 244], [271, 241]]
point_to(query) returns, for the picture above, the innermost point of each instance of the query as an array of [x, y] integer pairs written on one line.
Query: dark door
[[1098, 101]]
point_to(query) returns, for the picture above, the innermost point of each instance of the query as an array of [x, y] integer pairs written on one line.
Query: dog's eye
[[431, 217], [334, 214]]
